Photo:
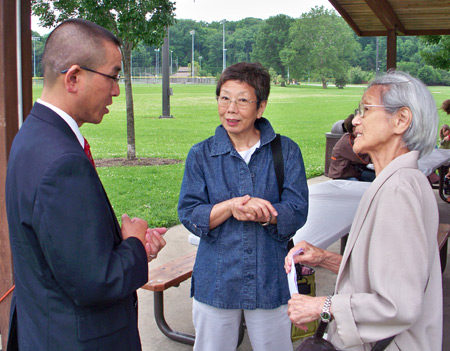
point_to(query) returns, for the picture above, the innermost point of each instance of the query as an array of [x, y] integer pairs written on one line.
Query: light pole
[[223, 46], [171, 63], [157, 63], [376, 61], [192, 32], [225, 57], [200, 59], [34, 54]]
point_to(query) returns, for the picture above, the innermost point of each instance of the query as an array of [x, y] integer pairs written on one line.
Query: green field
[[303, 113]]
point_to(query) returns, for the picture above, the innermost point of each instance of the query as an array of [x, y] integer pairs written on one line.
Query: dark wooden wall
[[9, 117]]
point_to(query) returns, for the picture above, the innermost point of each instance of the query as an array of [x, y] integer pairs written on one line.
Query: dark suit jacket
[[75, 277]]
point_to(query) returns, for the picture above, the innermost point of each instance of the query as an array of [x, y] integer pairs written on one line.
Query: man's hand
[[154, 242], [135, 227]]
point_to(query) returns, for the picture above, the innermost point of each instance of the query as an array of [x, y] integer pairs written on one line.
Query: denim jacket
[[240, 263]]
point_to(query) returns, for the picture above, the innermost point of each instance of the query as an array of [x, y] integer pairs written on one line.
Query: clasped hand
[[254, 209], [151, 238]]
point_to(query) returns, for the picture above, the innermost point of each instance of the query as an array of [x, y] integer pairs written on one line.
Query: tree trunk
[[131, 140], [324, 83]]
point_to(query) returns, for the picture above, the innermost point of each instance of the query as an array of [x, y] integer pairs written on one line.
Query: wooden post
[[27, 68], [391, 59], [9, 113], [166, 91]]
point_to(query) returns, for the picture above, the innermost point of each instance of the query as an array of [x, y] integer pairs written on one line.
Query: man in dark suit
[[76, 270]]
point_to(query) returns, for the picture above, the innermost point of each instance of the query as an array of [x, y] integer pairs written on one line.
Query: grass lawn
[[303, 113]]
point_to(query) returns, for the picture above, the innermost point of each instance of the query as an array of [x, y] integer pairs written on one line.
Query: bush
[[428, 75], [358, 76], [341, 81], [444, 77], [409, 67]]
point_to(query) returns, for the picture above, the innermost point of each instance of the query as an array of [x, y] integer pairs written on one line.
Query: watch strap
[[326, 314]]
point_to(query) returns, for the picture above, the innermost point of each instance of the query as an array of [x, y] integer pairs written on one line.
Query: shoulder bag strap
[[382, 344], [379, 346], [278, 162]]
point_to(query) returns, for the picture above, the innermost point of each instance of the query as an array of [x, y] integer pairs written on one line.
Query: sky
[[231, 10], [234, 10]]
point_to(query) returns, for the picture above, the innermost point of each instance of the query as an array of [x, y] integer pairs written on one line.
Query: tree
[[271, 39], [437, 51], [239, 45], [131, 21], [322, 44]]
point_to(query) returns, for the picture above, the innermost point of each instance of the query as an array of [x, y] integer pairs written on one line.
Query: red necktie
[[87, 151]]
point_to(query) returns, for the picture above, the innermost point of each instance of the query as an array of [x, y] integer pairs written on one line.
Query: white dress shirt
[[69, 120]]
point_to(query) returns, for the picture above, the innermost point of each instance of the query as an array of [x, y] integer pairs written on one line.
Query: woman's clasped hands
[[247, 208]]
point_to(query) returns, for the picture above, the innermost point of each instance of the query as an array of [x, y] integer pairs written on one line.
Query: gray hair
[[404, 90]]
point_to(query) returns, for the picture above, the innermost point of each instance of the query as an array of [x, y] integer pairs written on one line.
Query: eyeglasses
[[242, 103], [362, 109], [114, 78]]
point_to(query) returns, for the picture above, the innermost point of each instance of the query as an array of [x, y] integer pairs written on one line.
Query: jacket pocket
[[102, 322]]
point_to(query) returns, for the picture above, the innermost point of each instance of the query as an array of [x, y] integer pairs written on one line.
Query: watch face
[[325, 316]]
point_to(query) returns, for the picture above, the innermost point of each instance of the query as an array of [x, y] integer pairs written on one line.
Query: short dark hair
[[446, 106], [348, 125], [75, 42], [442, 130], [254, 74]]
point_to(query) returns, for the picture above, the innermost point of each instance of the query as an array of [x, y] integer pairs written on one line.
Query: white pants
[[217, 329]]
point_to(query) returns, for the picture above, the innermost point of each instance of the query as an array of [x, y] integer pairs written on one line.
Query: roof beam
[[346, 17], [384, 12], [415, 33]]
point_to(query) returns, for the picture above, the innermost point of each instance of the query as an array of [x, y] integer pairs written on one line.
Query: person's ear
[[72, 79], [262, 107], [402, 120]]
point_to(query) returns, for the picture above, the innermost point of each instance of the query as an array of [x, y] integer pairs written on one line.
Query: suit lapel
[[47, 115]]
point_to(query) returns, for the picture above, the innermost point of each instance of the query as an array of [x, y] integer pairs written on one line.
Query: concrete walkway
[[178, 304]]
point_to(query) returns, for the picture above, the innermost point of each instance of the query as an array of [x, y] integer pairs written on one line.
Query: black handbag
[[318, 343]]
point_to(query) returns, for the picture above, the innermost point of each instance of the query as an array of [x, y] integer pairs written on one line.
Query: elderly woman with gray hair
[[389, 278]]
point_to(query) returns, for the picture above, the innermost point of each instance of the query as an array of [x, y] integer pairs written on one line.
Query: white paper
[[292, 275]]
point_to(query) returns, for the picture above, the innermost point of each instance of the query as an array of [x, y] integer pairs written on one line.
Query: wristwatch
[[325, 315]]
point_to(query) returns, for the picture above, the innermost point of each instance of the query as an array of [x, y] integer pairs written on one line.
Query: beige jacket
[[389, 282]]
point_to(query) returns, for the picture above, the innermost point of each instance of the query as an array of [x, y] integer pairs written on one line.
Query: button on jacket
[[240, 263]]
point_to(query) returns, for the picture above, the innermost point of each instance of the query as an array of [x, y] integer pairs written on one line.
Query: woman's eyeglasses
[[242, 103], [363, 108]]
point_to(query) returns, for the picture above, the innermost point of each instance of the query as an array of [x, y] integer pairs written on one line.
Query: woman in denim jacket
[[229, 198]]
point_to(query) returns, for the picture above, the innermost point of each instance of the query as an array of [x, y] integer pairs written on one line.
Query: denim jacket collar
[[222, 143]]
